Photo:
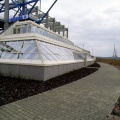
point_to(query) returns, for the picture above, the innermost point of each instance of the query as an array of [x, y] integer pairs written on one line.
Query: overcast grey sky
[[92, 23]]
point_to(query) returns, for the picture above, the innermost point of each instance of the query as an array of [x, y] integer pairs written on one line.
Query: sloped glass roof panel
[[12, 56], [33, 49], [9, 55], [28, 56], [36, 57], [26, 49], [50, 57], [45, 58], [16, 47], [89, 57], [53, 52], [78, 56], [6, 55]]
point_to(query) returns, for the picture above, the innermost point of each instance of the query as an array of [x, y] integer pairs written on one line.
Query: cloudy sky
[[93, 24]]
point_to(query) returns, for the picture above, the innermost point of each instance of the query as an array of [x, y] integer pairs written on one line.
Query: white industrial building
[[29, 51]]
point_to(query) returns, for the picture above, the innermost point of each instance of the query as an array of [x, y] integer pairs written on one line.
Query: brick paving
[[90, 98]]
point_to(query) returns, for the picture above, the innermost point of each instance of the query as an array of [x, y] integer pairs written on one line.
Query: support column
[[63, 30], [67, 32], [46, 24], [36, 11], [59, 28], [53, 24], [6, 14]]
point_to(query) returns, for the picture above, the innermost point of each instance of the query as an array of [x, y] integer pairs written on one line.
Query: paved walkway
[[90, 98]]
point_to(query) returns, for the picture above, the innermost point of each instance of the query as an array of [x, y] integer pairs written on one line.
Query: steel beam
[[33, 6], [19, 4], [40, 21]]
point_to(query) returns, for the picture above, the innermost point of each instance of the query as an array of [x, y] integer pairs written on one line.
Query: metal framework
[[23, 10], [28, 10]]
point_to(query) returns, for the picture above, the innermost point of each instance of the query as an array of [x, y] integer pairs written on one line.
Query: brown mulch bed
[[12, 89]]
